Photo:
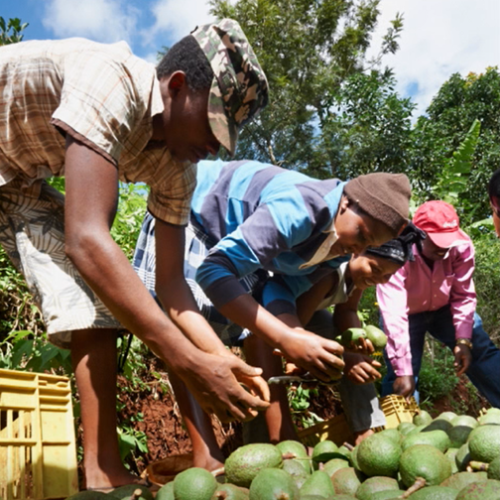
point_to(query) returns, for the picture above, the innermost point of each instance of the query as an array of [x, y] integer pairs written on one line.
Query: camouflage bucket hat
[[239, 89]]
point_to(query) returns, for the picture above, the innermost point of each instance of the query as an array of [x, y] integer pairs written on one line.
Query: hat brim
[[449, 240], [223, 128]]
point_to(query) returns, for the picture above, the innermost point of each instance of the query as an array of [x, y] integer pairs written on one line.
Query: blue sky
[[440, 37]]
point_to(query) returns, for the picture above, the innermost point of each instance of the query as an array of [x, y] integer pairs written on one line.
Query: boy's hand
[[364, 346], [315, 354], [463, 358], [213, 381], [361, 369]]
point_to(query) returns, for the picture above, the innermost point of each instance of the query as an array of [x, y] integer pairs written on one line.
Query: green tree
[[11, 31], [437, 135], [310, 50]]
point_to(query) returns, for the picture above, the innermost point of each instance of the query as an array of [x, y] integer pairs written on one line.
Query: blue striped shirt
[[262, 217]]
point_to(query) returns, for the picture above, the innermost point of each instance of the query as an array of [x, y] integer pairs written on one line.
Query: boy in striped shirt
[[259, 236]]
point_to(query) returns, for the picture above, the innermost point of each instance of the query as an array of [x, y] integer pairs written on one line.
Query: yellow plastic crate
[[37, 437], [397, 409], [335, 429]]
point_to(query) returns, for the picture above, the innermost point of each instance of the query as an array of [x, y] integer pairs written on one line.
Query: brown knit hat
[[385, 197]]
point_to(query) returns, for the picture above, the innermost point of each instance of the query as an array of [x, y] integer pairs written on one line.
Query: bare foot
[[98, 479], [209, 462]]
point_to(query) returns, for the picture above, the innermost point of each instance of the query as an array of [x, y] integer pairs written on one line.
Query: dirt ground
[[166, 434]]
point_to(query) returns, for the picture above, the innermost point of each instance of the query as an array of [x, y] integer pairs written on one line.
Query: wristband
[[466, 342]]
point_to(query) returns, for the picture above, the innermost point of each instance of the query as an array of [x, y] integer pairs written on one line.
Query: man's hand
[[404, 386], [361, 369], [463, 358], [318, 356], [253, 382], [214, 382]]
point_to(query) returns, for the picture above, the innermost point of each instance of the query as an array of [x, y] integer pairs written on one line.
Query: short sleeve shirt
[[103, 96]]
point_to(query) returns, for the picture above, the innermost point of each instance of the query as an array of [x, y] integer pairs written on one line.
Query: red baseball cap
[[441, 223]]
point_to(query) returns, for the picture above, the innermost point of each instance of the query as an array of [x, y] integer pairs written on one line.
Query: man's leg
[[206, 451], [94, 357], [485, 366]]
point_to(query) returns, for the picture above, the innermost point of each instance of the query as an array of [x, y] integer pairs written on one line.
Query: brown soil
[[464, 400], [162, 422]]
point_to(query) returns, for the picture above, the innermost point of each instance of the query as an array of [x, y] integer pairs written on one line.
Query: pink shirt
[[417, 288]]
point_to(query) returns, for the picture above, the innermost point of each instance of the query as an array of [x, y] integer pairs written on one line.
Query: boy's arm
[[307, 350], [91, 201], [463, 294]]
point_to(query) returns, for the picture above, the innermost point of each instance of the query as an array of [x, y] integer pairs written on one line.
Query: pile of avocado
[[447, 458]]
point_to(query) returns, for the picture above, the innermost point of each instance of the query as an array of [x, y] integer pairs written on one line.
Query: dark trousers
[[484, 371]]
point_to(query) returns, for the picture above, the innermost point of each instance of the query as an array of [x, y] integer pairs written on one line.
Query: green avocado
[[449, 416], [425, 461], [295, 448], [440, 424], [486, 490], [319, 483], [462, 457], [347, 481], [435, 493], [351, 336], [405, 427], [125, 492], [166, 492], [247, 461], [324, 451], [273, 484], [422, 418], [194, 484], [375, 484], [484, 443], [439, 439], [494, 468], [333, 465], [451, 455], [379, 455], [490, 419], [387, 495], [376, 336], [465, 421], [229, 492], [297, 469], [460, 480], [458, 435]]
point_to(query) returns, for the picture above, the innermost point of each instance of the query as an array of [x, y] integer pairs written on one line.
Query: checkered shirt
[[103, 96]]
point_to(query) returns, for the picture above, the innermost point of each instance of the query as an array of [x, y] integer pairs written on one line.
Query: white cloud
[[440, 38], [177, 19], [99, 20]]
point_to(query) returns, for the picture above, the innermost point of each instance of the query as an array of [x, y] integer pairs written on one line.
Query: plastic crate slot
[[37, 440]]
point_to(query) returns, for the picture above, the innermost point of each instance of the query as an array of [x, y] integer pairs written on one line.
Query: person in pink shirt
[[435, 293], [494, 193]]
